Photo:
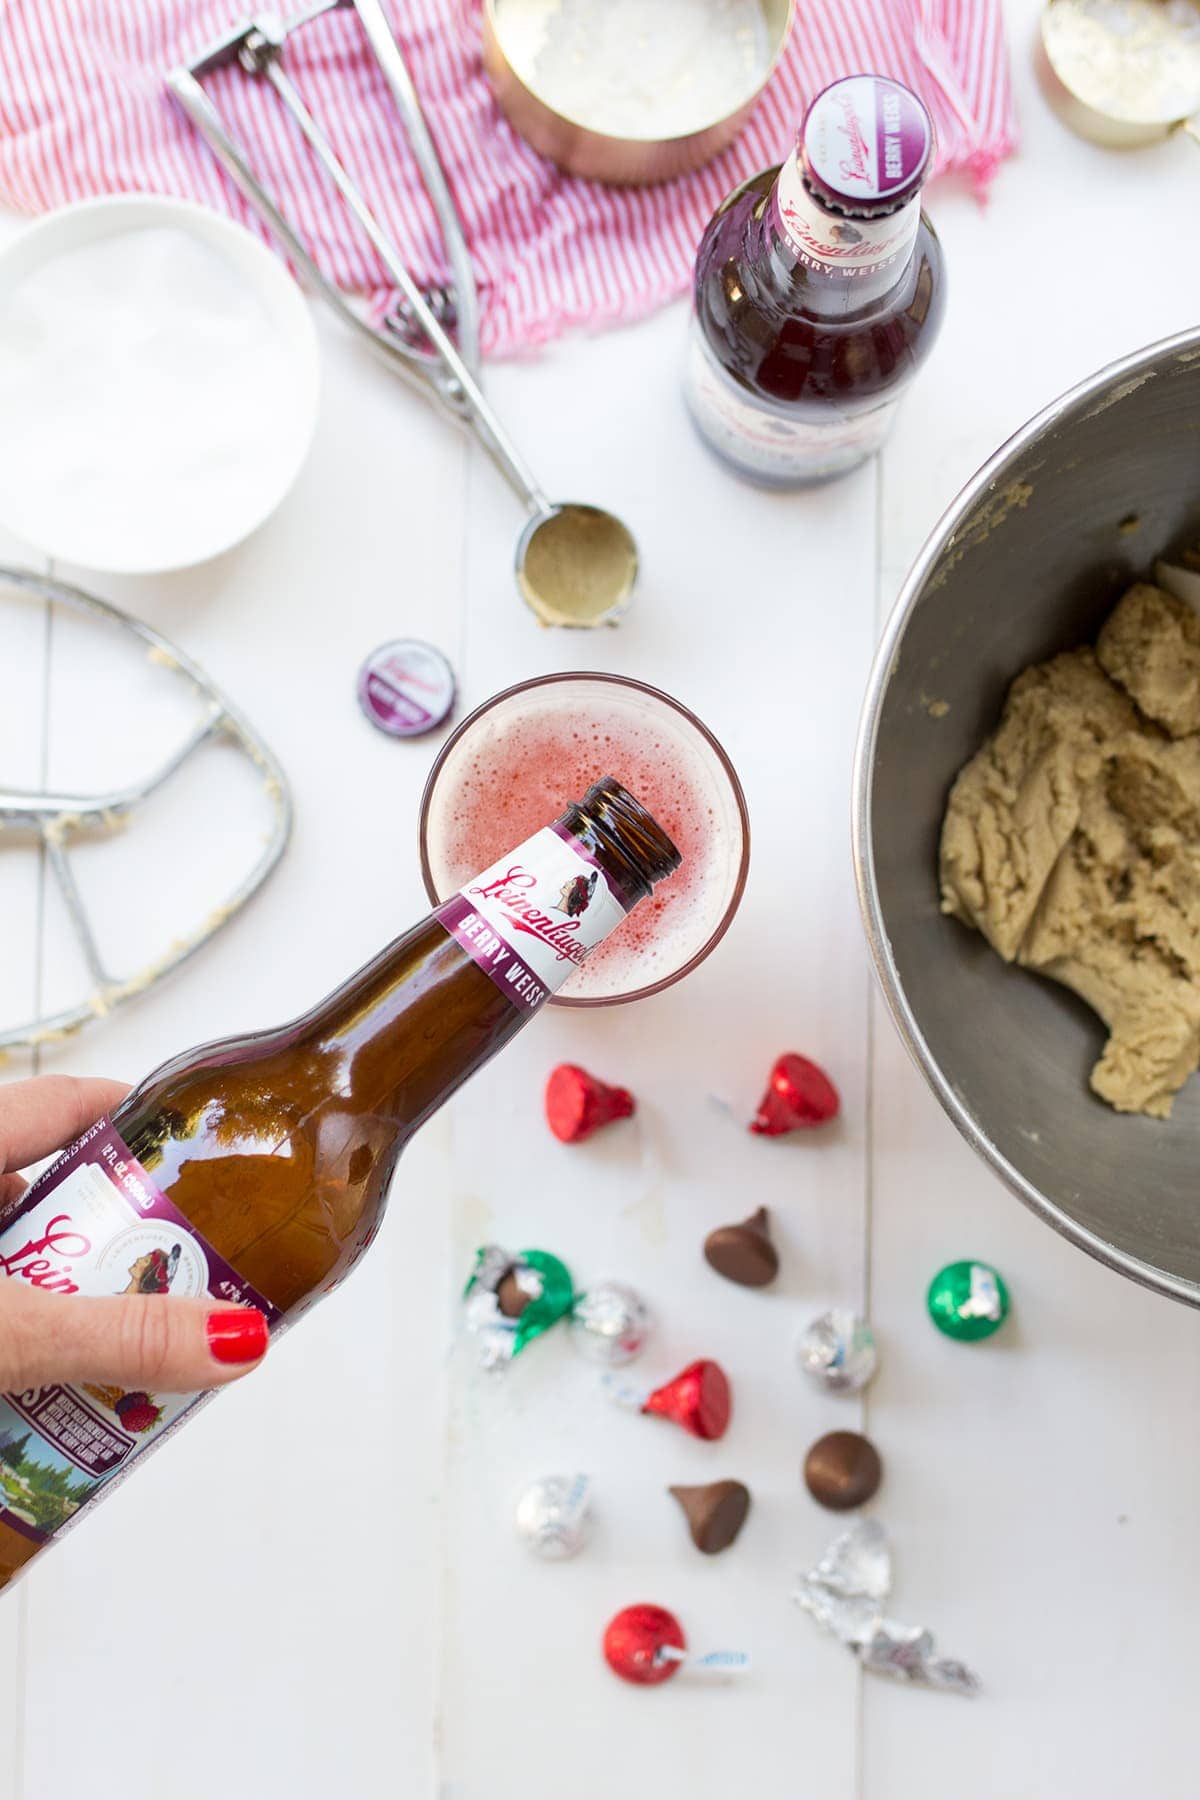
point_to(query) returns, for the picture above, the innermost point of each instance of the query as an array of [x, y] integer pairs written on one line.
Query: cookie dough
[[1151, 645], [1072, 840]]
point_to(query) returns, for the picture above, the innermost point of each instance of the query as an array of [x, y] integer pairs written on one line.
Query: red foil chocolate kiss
[[635, 1642], [799, 1096], [698, 1399], [578, 1104]]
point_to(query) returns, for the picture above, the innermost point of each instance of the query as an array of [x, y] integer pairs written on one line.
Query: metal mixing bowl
[[1028, 560]]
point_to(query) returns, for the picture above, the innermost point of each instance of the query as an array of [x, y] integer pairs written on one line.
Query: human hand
[[171, 1346]]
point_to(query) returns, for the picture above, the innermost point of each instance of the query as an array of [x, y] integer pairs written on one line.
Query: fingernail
[[237, 1336]]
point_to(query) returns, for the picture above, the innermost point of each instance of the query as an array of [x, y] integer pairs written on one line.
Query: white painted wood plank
[[288, 1525], [22, 670], [1041, 1489], [287, 1631], [733, 578]]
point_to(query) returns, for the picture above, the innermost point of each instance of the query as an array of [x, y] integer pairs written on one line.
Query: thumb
[[137, 1340]]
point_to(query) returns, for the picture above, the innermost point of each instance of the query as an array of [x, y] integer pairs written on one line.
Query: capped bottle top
[[406, 687], [866, 144]]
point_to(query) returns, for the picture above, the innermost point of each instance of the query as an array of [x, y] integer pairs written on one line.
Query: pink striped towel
[[83, 111]]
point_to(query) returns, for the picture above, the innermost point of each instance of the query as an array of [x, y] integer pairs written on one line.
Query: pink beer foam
[[519, 770]]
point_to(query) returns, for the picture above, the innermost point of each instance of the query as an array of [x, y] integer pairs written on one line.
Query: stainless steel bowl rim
[[992, 473]]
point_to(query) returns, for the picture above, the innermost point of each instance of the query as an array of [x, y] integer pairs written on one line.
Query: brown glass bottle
[[273, 1153]]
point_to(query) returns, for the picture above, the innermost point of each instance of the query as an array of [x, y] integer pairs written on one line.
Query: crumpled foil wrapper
[[846, 1593], [538, 1275]]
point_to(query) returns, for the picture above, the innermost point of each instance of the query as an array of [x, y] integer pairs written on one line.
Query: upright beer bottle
[[819, 292], [256, 1170]]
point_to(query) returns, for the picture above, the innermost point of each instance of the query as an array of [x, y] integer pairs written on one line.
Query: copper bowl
[[580, 150]]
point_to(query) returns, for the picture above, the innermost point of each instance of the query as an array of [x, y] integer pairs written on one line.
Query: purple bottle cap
[[406, 687], [867, 142]]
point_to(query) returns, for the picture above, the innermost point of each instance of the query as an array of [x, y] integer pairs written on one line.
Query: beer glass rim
[[697, 725]]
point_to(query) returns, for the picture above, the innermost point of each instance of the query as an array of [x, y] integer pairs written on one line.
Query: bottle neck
[[440, 1001], [533, 918], [842, 263]]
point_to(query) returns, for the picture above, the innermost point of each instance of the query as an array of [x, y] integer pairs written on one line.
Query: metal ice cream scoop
[[575, 564]]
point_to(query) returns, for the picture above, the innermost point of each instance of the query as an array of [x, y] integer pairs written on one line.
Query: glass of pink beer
[[516, 762]]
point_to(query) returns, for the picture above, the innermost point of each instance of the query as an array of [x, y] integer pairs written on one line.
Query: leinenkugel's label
[[768, 443], [535, 917], [95, 1223], [867, 140], [827, 241]]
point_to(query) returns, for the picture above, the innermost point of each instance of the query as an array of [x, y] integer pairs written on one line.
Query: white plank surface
[[293, 1619], [1041, 1488], [637, 1204], [22, 756], [297, 1605]]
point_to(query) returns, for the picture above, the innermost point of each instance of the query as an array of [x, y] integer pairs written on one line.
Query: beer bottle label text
[[95, 1223], [534, 917]]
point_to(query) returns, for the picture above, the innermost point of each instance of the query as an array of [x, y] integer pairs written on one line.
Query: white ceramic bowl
[[146, 437]]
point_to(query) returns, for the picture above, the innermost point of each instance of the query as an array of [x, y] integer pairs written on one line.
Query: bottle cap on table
[[866, 144], [406, 687]]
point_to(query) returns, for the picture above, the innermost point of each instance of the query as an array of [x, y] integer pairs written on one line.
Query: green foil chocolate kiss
[[554, 1301], [967, 1300]]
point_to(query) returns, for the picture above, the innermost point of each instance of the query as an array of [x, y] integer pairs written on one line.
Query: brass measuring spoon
[[575, 564]]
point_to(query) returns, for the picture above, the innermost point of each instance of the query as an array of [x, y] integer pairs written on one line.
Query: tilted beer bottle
[[256, 1169]]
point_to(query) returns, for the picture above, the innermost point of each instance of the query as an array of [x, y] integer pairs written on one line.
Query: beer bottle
[[819, 292], [256, 1169]]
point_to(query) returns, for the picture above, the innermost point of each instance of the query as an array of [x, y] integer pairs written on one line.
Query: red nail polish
[[237, 1336]]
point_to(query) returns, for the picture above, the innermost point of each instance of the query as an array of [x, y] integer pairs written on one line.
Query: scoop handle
[[474, 402]]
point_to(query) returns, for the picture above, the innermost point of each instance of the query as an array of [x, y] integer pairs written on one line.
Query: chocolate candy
[[842, 1470], [743, 1253], [715, 1513], [406, 687], [799, 1096], [838, 1351], [610, 1323], [511, 1299], [554, 1516], [967, 1300], [577, 1104], [644, 1644], [697, 1398]]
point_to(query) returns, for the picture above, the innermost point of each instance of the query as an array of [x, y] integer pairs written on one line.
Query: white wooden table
[[317, 1589]]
